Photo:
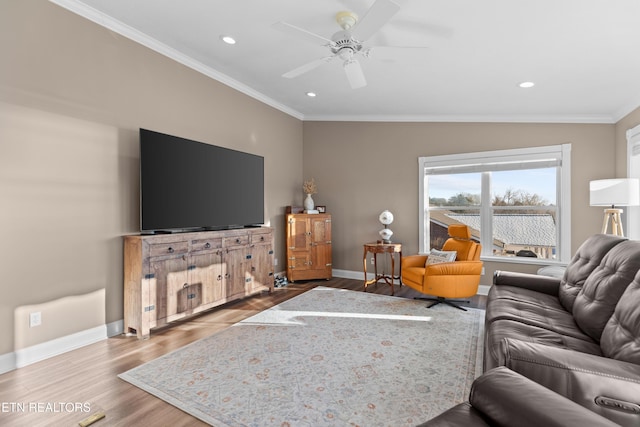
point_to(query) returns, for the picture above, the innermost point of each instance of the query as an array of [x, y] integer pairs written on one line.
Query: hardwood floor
[[66, 389]]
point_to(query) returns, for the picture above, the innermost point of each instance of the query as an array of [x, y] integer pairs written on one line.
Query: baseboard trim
[[7, 362], [55, 347], [350, 274]]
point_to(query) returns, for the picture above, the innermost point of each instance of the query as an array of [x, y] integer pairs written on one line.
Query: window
[[632, 213], [516, 202]]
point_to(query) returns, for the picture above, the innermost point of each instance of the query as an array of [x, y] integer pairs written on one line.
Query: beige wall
[[72, 97], [363, 168]]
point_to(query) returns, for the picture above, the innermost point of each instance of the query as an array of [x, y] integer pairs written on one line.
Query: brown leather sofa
[[579, 335], [504, 398]]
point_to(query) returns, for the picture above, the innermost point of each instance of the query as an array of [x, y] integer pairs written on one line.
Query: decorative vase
[[308, 203]]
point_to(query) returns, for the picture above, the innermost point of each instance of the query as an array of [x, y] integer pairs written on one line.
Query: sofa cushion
[[552, 317], [587, 258], [516, 293], [505, 328], [596, 301], [621, 336]]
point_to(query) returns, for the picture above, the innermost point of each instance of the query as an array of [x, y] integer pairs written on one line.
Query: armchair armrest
[[605, 386], [414, 260], [544, 284]]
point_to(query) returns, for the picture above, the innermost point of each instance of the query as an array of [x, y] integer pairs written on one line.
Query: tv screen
[[187, 185]]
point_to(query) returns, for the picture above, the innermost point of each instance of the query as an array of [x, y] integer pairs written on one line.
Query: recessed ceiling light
[[311, 94], [228, 39], [527, 84]]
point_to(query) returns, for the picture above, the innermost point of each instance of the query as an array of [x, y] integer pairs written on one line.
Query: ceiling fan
[[346, 44]]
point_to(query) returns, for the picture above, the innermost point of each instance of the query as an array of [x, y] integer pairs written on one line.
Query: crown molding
[[627, 109], [139, 37], [434, 118]]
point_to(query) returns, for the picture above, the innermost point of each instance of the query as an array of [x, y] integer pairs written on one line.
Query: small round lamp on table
[[386, 218]]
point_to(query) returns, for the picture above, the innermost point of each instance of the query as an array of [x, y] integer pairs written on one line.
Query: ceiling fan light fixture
[[346, 54], [346, 19]]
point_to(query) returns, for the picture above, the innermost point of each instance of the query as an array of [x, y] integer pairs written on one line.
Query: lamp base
[[613, 216]]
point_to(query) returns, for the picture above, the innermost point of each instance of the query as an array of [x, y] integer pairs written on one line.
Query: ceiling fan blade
[[307, 67], [377, 15], [354, 74], [374, 50], [426, 28], [302, 33]]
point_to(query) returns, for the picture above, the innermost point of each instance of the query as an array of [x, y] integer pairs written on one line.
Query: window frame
[[556, 155]]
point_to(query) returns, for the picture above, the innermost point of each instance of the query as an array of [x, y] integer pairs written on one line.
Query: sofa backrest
[[621, 336], [595, 303], [587, 258]]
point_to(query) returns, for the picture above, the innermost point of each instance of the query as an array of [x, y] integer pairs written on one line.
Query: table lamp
[[386, 218], [614, 192]]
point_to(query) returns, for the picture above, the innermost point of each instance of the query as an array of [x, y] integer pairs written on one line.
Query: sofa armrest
[[545, 284], [605, 386], [504, 398], [509, 399]]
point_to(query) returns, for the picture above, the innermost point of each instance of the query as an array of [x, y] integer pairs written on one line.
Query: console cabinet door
[[261, 270], [235, 264], [167, 273], [204, 276], [205, 272]]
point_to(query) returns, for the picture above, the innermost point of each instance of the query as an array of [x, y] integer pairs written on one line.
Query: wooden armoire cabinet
[[308, 247]]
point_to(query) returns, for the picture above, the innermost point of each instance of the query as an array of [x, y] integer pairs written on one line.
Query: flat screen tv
[[187, 185]]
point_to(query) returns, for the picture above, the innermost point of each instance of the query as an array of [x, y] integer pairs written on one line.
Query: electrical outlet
[[373, 260], [275, 261], [35, 319], [482, 271]]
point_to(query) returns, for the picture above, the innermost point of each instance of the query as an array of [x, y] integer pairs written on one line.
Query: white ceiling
[[583, 55]]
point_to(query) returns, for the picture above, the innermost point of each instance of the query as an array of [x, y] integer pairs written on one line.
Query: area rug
[[328, 357]]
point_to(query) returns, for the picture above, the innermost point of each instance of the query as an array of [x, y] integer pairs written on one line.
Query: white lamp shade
[[612, 192], [386, 217]]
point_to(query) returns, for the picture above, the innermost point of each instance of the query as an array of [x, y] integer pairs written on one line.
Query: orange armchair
[[456, 279]]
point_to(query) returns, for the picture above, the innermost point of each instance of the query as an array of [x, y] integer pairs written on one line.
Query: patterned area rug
[[328, 357]]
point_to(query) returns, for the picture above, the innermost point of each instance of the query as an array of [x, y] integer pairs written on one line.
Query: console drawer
[[169, 248], [201, 245], [239, 240]]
